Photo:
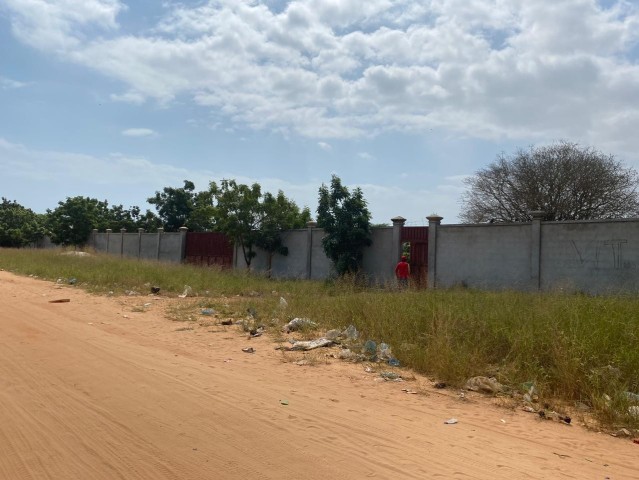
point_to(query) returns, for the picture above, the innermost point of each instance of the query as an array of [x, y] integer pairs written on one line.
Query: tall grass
[[572, 347]]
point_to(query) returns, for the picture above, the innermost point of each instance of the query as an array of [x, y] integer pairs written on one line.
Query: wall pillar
[[309, 248], [183, 231], [94, 239], [433, 225], [122, 232], [108, 232], [160, 232], [535, 249], [140, 232], [396, 253]]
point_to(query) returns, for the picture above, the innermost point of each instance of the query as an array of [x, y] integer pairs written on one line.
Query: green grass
[[574, 348]]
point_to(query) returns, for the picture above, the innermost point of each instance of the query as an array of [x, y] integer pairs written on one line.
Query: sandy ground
[[91, 389]]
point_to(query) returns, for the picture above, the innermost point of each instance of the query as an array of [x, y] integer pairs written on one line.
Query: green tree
[[73, 220], [278, 215], [183, 206], [237, 212], [19, 226], [345, 219], [131, 219], [564, 180]]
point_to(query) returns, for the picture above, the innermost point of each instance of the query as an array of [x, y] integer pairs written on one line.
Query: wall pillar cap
[[398, 220], [160, 229], [109, 230], [538, 214], [434, 218], [122, 230], [183, 229], [140, 230], [311, 224]]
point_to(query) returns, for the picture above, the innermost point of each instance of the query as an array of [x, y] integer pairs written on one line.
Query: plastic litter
[[283, 302], [188, 291], [351, 333], [308, 345], [227, 322], [393, 362], [155, 290], [633, 397], [248, 350], [396, 377], [207, 311], [370, 349], [284, 402], [451, 421], [72, 281], [298, 324], [484, 384], [60, 300]]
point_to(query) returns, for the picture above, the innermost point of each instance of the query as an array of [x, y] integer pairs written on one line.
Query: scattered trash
[[256, 332], [60, 300], [155, 290], [502, 420], [351, 333], [384, 351], [551, 415], [406, 390], [308, 345], [633, 397], [72, 281], [284, 402], [146, 305], [391, 376], [529, 409], [302, 363], [451, 421], [634, 410], [484, 384], [623, 432], [440, 385], [298, 324], [227, 322], [131, 293], [207, 311], [333, 335], [188, 291], [248, 350], [636, 440], [370, 349], [283, 303], [252, 312]]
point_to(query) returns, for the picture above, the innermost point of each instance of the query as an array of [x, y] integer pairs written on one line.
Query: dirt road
[[92, 389]]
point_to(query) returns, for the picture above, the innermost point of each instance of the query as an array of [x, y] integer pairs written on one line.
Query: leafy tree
[[564, 180], [345, 218], [237, 212], [131, 219], [278, 214], [183, 206], [19, 226], [73, 220]]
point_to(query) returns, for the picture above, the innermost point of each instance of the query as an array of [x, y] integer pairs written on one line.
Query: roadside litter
[[226, 322], [248, 350], [298, 324], [188, 291], [451, 421], [283, 303], [207, 311], [391, 376], [60, 300], [484, 384], [155, 290], [307, 345]]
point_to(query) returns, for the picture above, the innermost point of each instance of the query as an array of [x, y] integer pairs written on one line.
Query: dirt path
[[93, 390]]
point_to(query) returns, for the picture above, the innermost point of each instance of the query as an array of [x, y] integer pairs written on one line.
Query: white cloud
[[139, 132], [345, 68], [9, 84], [325, 146], [365, 156]]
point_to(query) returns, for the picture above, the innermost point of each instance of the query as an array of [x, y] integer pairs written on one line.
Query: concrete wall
[[595, 257], [306, 258], [166, 247]]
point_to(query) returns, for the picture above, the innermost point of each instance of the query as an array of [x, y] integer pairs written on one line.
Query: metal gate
[[209, 248], [417, 237]]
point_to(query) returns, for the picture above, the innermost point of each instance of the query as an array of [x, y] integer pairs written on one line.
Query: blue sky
[[115, 99]]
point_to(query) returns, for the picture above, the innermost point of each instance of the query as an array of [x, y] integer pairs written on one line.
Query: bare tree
[[565, 180]]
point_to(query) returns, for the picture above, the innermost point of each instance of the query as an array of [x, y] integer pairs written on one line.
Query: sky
[[116, 99]]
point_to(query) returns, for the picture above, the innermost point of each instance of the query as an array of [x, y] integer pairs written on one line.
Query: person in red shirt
[[402, 272]]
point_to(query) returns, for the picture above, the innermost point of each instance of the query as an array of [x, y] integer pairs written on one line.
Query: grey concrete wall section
[[131, 244], [321, 266], [292, 265], [484, 256], [171, 247], [380, 258], [148, 246], [591, 257], [100, 240], [114, 243]]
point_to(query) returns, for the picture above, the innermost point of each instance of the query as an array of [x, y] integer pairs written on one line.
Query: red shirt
[[402, 270]]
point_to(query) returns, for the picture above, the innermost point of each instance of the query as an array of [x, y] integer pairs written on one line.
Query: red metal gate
[[209, 248], [417, 237]]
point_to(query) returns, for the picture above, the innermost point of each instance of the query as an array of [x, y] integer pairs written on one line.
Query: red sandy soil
[[92, 389]]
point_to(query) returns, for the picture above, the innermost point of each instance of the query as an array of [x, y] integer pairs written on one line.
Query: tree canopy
[[345, 219], [19, 226], [183, 207], [564, 180]]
